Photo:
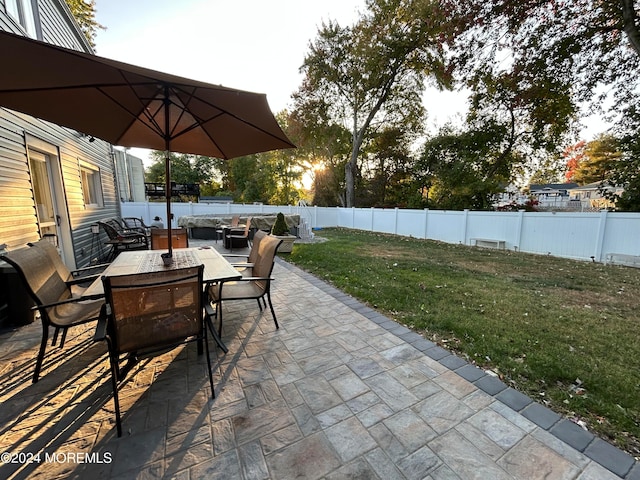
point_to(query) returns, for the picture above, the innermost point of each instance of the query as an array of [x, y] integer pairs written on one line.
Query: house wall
[[130, 177], [18, 222]]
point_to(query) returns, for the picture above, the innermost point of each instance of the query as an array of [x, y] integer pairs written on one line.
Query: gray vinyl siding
[[18, 222]]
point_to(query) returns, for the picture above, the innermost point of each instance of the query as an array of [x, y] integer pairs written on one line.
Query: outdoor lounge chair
[[257, 286], [135, 224], [52, 296], [160, 238], [237, 237], [121, 239], [235, 220], [148, 314]]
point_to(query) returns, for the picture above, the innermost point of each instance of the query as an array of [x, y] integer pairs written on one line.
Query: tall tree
[[372, 73]]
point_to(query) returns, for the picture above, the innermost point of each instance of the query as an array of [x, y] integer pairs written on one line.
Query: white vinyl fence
[[600, 236]]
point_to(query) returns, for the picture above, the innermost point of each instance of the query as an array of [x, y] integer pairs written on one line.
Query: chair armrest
[[236, 255], [68, 300], [253, 279], [242, 265], [79, 271], [85, 279]]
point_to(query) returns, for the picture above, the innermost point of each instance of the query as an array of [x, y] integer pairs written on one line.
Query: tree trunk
[[630, 27], [350, 180]]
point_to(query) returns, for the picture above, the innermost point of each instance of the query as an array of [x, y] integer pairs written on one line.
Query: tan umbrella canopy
[[133, 106]]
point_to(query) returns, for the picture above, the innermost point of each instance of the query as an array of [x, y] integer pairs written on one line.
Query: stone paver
[[339, 391]]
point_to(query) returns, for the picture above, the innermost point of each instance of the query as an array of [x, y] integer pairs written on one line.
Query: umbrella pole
[[167, 167], [167, 173]]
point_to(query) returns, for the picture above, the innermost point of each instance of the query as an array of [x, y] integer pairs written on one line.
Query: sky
[[254, 45]]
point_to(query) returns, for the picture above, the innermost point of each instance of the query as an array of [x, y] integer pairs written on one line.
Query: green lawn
[[562, 331]]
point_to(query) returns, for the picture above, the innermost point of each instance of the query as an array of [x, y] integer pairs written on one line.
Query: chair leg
[[206, 347], [272, 310], [259, 304], [64, 337], [219, 315], [55, 336], [214, 334], [43, 347], [114, 383]]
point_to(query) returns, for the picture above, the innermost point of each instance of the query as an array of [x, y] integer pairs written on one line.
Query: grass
[[563, 332]]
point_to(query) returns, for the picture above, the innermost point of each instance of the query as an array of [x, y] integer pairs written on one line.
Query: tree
[[185, 168], [371, 74], [84, 12], [570, 47], [323, 148], [464, 169], [600, 158], [388, 181], [574, 155]]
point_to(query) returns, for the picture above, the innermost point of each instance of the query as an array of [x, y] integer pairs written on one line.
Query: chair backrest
[[111, 228], [247, 227], [39, 275], [263, 265], [255, 245], [245, 233], [160, 238], [135, 224], [154, 310], [51, 251]]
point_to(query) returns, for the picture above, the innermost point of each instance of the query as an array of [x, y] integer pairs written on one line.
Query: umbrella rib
[[224, 112]]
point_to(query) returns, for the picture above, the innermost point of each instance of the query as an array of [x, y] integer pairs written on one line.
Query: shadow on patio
[[339, 391]]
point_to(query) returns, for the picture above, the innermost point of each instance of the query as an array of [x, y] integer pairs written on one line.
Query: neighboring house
[[54, 181], [551, 195], [590, 195], [130, 176]]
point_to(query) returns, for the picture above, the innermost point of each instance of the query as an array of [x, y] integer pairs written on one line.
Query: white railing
[[578, 235]]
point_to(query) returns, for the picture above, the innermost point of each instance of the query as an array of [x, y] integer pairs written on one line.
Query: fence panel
[[570, 235], [486, 225]]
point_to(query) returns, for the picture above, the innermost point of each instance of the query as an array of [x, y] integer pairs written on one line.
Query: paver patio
[[339, 391]]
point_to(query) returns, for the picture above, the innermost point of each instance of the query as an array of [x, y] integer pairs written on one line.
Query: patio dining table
[[216, 268]]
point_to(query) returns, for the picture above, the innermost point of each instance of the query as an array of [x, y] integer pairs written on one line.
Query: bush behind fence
[[578, 235]]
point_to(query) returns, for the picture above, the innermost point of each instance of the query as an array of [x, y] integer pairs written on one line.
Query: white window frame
[[91, 183], [23, 13]]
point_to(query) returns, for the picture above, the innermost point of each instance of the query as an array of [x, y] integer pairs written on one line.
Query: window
[[91, 185], [22, 12]]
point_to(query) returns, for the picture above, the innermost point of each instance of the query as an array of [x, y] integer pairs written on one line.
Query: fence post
[[519, 230], [353, 217], [373, 211], [395, 222], [426, 222], [602, 227], [465, 226]]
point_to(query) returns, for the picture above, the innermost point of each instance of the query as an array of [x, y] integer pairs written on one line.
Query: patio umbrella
[[133, 106]]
